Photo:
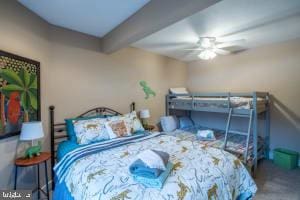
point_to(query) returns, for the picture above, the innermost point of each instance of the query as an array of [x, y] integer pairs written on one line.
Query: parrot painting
[[14, 108]]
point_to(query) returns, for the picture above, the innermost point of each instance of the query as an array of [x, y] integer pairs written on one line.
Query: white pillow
[[180, 90], [169, 123]]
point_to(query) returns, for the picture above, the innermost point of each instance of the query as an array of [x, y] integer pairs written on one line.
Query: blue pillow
[[169, 123], [70, 127], [185, 122]]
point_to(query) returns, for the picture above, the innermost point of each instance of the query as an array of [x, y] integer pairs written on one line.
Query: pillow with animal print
[[90, 130], [117, 128], [133, 122]]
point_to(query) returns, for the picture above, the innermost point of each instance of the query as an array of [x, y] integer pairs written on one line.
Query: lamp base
[[145, 123]]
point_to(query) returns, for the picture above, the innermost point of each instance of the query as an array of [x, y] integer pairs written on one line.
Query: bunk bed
[[252, 106]]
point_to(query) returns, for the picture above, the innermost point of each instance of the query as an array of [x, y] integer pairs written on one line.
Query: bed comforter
[[100, 171]]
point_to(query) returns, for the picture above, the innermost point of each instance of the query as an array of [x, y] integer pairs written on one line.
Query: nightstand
[[35, 161], [150, 127]]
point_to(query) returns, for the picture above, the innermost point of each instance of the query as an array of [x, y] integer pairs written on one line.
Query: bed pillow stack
[[93, 129], [171, 123]]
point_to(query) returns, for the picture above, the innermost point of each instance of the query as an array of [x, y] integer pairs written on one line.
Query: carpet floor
[[275, 183]]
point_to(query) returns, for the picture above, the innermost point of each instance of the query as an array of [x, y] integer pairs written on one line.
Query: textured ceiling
[[93, 17], [258, 22]]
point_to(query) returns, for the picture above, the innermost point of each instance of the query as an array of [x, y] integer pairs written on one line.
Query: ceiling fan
[[209, 47]]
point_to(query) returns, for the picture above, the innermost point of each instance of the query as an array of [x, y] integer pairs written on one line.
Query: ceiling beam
[[154, 16]]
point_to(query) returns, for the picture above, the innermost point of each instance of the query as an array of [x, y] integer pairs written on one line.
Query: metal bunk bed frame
[[173, 103]]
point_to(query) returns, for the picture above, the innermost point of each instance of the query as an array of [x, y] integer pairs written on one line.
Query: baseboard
[[271, 157]]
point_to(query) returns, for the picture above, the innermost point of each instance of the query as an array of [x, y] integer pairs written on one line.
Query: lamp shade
[[31, 131], [144, 114]]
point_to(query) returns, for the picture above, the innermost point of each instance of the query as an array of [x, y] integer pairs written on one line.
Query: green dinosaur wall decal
[[147, 90]]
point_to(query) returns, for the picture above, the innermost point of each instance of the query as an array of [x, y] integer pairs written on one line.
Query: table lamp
[[31, 131], [144, 115]]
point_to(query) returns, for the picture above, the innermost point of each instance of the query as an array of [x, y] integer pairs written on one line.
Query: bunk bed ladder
[[247, 134], [227, 127]]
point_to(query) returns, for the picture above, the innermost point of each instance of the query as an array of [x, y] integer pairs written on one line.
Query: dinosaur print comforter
[[199, 172]]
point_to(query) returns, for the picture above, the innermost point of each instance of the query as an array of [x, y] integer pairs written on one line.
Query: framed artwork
[[19, 93]]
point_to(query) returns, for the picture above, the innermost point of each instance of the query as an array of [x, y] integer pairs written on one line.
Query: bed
[[100, 170], [248, 105], [221, 102], [241, 103]]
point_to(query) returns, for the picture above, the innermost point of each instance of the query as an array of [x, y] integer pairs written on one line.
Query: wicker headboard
[[58, 130]]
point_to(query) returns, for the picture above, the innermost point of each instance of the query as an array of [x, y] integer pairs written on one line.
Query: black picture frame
[[28, 63]]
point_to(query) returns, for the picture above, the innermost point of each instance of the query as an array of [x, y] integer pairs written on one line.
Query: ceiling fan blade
[[231, 43], [168, 45], [189, 54], [222, 51], [197, 49]]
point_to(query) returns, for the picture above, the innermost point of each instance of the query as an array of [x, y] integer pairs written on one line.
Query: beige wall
[[273, 68], [76, 77]]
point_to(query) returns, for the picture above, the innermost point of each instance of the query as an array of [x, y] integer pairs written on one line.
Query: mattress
[[222, 102]]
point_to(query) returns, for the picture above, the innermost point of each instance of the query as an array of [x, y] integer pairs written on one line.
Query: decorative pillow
[[169, 123], [70, 127], [133, 122], [117, 128], [179, 90], [185, 122], [90, 130]]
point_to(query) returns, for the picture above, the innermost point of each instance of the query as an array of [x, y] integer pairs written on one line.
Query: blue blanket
[[139, 168], [156, 182]]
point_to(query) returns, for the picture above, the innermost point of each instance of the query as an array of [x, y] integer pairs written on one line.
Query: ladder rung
[[239, 133], [240, 115]]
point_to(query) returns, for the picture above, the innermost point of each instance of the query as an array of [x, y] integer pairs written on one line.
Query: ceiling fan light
[[207, 55], [206, 43]]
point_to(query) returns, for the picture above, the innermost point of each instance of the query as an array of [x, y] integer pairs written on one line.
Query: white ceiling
[[260, 22], [93, 17]]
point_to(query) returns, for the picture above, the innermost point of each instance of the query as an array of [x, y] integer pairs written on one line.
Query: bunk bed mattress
[[235, 102], [236, 144]]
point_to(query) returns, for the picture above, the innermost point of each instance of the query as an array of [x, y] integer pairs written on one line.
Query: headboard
[[58, 130]]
